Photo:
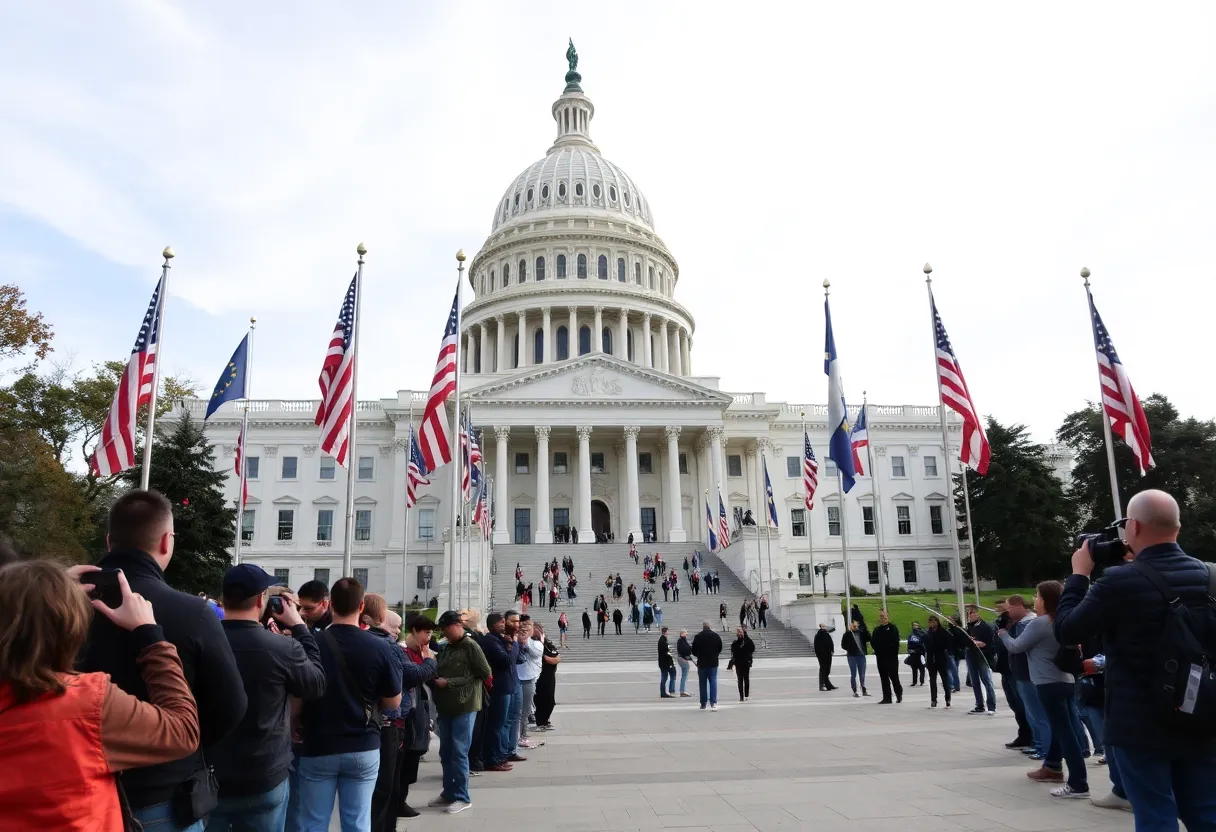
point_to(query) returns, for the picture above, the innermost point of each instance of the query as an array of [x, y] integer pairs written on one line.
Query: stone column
[[500, 360], [524, 352], [687, 354], [622, 491], [677, 360], [660, 357], [717, 463], [622, 335], [675, 499], [547, 336], [585, 535], [544, 531], [503, 514], [646, 354], [755, 498], [572, 335], [485, 348], [704, 474], [631, 481], [597, 333]]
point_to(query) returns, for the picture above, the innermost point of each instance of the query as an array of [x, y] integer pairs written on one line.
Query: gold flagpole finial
[[460, 258], [168, 253]]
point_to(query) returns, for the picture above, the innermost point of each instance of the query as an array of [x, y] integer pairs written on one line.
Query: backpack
[[1183, 679]]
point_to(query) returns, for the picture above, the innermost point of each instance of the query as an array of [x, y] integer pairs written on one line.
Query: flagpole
[[975, 575], [882, 559], [352, 451], [243, 439], [810, 538], [941, 405], [405, 541], [466, 555], [457, 455], [146, 471], [844, 552], [1110, 441]]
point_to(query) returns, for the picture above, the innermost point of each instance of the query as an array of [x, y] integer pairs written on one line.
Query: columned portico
[[715, 465], [485, 347], [572, 333], [547, 356], [646, 346], [633, 501], [675, 500], [597, 334], [502, 506], [544, 532], [676, 357], [585, 535], [751, 472], [622, 336], [501, 358], [522, 335]]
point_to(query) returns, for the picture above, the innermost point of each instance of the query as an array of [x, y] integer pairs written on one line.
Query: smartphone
[[105, 586], [275, 605]]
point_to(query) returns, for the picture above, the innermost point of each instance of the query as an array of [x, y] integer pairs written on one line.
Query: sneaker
[[476, 772], [409, 812], [440, 802], [856, 695], [685, 695], [1065, 792], [527, 744], [714, 707], [979, 711], [1017, 745], [1045, 775], [947, 706], [1036, 756], [1111, 801], [457, 807], [899, 698], [1102, 760], [992, 713]]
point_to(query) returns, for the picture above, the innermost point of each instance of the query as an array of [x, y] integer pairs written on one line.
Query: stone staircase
[[593, 563]]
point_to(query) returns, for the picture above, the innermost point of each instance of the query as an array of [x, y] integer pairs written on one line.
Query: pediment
[[287, 500], [935, 496], [903, 495], [736, 497], [523, 497], [324, 501], [600, 379], [364, 501]]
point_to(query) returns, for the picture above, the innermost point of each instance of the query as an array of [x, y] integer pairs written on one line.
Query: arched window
[[538, 350], [582, 267], [637, 273], [563, 344], [620, 269], [629, 343], [540, 268], [506, 276], [561, 267], [523, 271], [492, 280], [515, 349], [606, 340], [584, 340], [602, 267], [651, 278]]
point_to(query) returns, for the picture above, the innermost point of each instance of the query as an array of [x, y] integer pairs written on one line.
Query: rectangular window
[[910, 572], [683, 463], [798, 522], [897, 466], [521, 463], [930, 466], [829, 469], [903, 514], [867, 520], [282, 577], [935, 520], [734, 465], [872, 572], [804, 575], [289, 467], [325, 525], [321, 575], [793, 467], [361, 576], [597, 462], [559, 462], [363, 524], [561, 517], [943, 571], [251, 467], [426, 574], [328, 469], [644, 466], [367, 467], [248, 519], [834, 521], [287, 518], [426, 524]]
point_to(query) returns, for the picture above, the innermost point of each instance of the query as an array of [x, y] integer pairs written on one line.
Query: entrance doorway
[[650, 530], [523, 525], [601, 520]]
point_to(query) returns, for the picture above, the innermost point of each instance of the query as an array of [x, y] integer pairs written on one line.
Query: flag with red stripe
[[416, 472], [1119, 400], [955, 395], [239, 466], [337, 381], [435, 434]]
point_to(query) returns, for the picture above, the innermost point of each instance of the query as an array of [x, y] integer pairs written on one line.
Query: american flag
[[481, 516], [810, 473], [957, 397], [416, 472], [240, 462], [723, 525], [337, 381], [435, 435], [709, 527], [1119, 400], [859, 438], [115, 451], [471, 475]]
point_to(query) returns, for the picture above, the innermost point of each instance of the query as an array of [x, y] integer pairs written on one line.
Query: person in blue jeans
[[707, 647], [667, 668], [684, 660], [459, 688], [340, 756]]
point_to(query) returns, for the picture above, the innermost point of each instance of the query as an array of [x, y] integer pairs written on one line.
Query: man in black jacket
[[980, 656], [885, 641], [140, 543], [314, 605], [1167, 772], [707, 646], [667, 668], [824, 648], [1004, 666], [251, 764]]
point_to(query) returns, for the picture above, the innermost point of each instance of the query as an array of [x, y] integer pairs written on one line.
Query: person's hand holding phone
[[288, 615], [135, 610], [77, 573]]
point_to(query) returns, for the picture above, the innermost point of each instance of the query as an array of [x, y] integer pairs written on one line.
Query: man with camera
[[251, 764], [1163, 752]]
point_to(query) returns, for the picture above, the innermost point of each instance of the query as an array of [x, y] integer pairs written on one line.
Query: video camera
[[1105, 547]]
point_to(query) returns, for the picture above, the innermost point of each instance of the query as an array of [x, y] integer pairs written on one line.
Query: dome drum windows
[[612, 193], [637, 273], [506, 276], [544, 193], [584, 339], [540, 268], [561, 194], [562, 348], [529, 198], [561, 267], [582, 267], [595, 191], [620, 269], [523, 271], [578, 189], [606, 340], [602, 267]]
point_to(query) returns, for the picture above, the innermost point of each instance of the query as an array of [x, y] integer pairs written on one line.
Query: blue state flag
[[231, 385], [840, 449], [768, 496]]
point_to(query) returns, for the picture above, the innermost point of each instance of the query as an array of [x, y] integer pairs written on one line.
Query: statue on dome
[[572, 77], [572, 56]]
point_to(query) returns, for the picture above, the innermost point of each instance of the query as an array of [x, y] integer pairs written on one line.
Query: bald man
[[1165, 771]]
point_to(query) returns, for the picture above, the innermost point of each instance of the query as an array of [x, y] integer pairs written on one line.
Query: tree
[[19, 329], [41, 505], [1021, 515], [183, 469], [1185, 453]]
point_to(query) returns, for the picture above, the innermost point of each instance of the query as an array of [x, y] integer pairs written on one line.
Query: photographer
[[1166, 769]]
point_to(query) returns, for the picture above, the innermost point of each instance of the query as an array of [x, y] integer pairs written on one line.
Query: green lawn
[[902, 614]]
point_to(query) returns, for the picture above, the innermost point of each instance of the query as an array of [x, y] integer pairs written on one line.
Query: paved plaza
[[789, 758]]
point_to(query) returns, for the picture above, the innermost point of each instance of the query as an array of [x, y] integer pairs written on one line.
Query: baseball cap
[[449, 618], [244, 581]]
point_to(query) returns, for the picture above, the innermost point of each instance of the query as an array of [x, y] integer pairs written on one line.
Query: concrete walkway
[[790, 758]]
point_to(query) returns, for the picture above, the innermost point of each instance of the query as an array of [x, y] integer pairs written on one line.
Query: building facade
[[577, 366]]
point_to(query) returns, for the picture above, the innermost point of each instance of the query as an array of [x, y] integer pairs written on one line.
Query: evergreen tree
[[1185, 453], [1021, 515], [183, 469]]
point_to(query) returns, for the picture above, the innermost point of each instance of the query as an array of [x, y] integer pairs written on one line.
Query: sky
[[779, 145]]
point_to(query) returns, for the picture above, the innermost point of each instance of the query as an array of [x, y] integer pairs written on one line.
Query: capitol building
[[578, 367]]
